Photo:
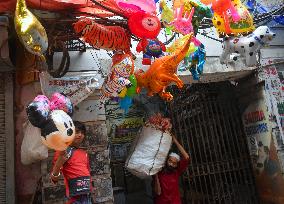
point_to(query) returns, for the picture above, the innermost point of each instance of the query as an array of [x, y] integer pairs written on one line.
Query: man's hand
[[180, 148], [55, 174]]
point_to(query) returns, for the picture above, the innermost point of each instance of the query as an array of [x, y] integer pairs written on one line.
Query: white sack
[[149, 152], [32, 149]]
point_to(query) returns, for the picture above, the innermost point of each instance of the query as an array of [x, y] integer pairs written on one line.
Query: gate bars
[[207, 121]]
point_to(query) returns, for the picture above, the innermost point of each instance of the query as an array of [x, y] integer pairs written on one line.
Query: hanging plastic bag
[[150, 149], [32, 149]]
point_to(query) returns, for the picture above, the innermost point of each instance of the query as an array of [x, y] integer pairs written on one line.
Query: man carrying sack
[[166, 182]]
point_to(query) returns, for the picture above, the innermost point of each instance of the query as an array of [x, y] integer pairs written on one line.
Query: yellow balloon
[[122, 93], [167, 14], [30, 31], [178, 43], [242, 27]]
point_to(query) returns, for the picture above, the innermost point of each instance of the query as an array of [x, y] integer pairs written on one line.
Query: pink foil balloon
[[148, 6]]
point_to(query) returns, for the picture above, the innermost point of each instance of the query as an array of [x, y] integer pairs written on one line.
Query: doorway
[[207, 121]]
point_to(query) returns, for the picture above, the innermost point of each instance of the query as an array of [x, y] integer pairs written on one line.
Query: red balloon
[[144, 25]]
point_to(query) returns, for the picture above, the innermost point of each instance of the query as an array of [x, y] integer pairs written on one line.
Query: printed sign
[[76, 86]]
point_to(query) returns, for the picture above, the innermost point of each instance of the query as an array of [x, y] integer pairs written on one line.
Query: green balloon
[[131, 91]]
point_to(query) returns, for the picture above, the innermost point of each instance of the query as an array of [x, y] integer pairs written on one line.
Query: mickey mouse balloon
[[31, 33], [57, 128], [59, 131]]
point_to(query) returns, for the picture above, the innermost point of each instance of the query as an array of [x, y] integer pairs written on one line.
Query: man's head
[[172, 161], [80, 132]]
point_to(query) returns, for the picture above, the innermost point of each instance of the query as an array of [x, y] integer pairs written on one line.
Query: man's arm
[[59, 162], [180, 148], [183, 164]]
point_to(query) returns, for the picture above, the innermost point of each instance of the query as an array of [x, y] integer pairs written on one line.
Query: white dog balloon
[[247, 46]]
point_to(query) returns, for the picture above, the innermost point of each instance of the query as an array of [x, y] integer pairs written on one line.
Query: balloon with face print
[[144, 25], [117, 80], [147, 27], [57, 128], [59, 131]]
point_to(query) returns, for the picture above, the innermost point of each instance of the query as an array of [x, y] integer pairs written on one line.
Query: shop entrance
[[207, 120]]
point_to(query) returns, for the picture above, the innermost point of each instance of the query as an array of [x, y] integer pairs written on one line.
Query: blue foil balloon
[[197, 62], [125, 103]]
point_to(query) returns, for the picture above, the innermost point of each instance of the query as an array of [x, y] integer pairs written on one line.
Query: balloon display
[[30, 31]]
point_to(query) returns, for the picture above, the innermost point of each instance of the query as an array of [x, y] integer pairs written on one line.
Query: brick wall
[[96, 144]]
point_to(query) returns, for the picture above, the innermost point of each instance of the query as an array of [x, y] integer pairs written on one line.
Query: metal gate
[[207, 121]]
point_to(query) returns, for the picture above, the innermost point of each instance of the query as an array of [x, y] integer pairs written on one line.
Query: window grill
[[207, 121]]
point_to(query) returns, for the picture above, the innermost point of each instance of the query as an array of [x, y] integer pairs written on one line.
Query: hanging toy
[[151, 48], [57, 128], [178, 43], [125, 101], [38, 110], [182, 24], [247, 46], [132, 90], [148, 6], [167, 16], [201, 11], [147, 27], [162, 72], [30, 31], [225, 24], [117, 80], [197, 62], [103, 37]]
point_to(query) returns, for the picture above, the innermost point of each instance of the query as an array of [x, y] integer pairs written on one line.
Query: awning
[[84, 6]]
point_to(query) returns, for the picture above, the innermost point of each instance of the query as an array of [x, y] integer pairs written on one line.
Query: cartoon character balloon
[[226, 25], [30, 32], [197, 60], [38, 110], [167, 14], [162, 72], [200, 11], [182, 22], [247, 46], [151, 48], [57, 128], [126, 95], [117, 80], [102, 36], [147, 27], [144, 25]]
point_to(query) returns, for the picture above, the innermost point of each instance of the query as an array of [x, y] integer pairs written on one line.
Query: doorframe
[[10, 138]]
